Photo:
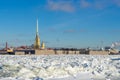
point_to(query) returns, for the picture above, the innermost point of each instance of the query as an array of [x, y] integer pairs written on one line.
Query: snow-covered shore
[[60, 67]]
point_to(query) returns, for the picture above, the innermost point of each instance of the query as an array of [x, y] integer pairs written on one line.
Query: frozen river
[[60, 67]]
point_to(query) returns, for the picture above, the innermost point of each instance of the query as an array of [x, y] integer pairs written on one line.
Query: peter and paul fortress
[[39, 48]]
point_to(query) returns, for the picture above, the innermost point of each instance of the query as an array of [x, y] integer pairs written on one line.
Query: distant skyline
[[62, 23]]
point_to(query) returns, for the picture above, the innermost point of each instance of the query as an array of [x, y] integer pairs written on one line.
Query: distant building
[[107, 48]]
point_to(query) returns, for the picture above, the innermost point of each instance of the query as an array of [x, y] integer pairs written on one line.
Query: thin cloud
[[75, 31], [84, 4], [99, 4], [58, 26], [117, 2], [83, 30], [115, 31], [57, 40], [73, 5], [51, 29], [70, 31], [60, 5]]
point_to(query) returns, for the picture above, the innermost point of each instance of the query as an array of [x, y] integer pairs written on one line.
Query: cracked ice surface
[[60, 67]]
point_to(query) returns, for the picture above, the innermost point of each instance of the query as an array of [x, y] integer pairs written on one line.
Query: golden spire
[[37, 27], [37, 39]]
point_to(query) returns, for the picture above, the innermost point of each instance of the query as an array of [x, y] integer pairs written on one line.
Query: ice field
[[60, 67]]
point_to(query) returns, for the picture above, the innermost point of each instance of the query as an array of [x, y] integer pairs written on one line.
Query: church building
[[37, 40]]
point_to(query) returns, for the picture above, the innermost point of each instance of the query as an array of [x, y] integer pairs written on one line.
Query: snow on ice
[[60, 67]]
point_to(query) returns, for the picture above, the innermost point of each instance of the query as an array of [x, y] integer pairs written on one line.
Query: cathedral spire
[[37, 27], [37, 39]]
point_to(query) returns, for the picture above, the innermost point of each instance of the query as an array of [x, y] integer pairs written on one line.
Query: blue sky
[[62, 23]]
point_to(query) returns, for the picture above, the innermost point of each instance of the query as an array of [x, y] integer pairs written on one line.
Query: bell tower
[[37, 39]]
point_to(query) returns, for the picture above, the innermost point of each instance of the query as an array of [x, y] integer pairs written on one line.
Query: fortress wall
[[77, 52], [40, 52], [72, 52], [66, 52], [19, 53], [53, 52], [98, 52], [45, 52], [59, 52]]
